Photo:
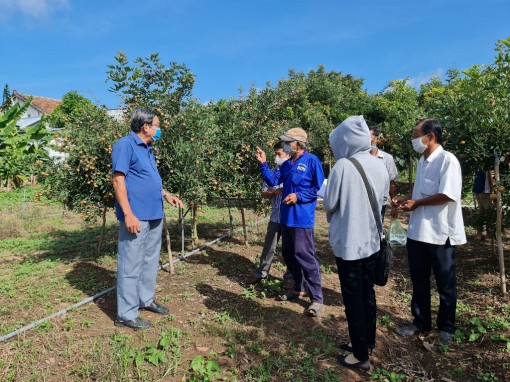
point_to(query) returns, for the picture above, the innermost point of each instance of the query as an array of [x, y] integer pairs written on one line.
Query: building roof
[[42, 104], [26, 122]]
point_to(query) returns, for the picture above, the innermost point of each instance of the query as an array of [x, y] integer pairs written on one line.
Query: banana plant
[[20, 149]]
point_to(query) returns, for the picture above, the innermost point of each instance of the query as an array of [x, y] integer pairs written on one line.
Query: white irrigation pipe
[[59, 313], [96, 296]]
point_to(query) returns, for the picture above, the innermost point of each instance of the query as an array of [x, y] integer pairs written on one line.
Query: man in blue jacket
[[302, 176]]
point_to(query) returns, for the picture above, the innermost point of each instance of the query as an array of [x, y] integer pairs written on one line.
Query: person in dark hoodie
[[302, 176], [353, 233]]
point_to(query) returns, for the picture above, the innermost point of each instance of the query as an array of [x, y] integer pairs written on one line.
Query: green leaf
[[212, 365], [500, 337], [473, 336], [139, 359], [154, 359], [164, 342], [197, 363], [475, 321]]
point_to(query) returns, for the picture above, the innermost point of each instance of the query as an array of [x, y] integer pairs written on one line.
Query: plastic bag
[[397, 235]]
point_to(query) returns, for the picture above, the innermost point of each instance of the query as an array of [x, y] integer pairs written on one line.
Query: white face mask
[[418, 145], [279, 161]]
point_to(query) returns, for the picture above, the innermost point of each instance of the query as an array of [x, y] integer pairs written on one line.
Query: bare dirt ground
[[251, 335]]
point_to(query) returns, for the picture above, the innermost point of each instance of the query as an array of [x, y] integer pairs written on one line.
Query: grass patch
[[220, 329]]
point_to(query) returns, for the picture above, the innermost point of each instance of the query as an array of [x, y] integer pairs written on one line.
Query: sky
[[51, 47]]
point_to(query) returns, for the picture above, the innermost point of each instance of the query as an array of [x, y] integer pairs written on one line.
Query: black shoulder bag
[[385, 255]]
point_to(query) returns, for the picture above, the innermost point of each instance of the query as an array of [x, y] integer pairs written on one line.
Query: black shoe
[[288, 284], [254, 280], [445, 338], [154, 307], [137, 324], [348, 347], [362, 365], [409, 330]]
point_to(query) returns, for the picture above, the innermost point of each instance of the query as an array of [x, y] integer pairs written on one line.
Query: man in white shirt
[[435, 228], [389, 163]]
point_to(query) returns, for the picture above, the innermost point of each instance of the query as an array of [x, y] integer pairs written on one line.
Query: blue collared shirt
[[133, 158]]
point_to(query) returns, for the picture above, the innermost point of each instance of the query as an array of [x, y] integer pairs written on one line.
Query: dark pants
[[298, 250], [266, 258], [424, 257], [357, 285]]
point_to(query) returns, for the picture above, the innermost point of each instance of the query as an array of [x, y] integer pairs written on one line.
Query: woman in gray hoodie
[[353, 232]]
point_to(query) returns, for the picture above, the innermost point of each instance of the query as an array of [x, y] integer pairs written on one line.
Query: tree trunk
[[103, 231], [245, 232], [168, 246], [499, 242]]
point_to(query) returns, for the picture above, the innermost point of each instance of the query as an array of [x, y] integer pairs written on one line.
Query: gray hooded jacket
[[353, 231]]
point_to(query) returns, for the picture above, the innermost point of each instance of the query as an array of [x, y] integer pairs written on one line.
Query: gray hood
[[350, 137]]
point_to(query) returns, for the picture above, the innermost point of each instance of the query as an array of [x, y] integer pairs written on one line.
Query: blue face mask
[[372, 148], [157, 135]]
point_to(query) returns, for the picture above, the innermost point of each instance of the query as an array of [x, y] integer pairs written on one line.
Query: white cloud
[[423, 78], [34, 9]]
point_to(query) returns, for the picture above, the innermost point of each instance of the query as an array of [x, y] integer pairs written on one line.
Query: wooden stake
[[194, 226], [181, 219], [499, 242], [245, 231], [103, 230], [168, 245]]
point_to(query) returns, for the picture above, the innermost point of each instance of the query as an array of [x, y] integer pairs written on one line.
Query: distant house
[[39, 107], [117, 114], [42, 106]]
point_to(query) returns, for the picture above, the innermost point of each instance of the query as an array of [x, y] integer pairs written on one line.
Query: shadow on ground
[[92, 279], [239, 269]]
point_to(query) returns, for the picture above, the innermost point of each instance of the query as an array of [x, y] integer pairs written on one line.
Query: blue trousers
[[424, 258], [357, 284], [137, 267], [298, 250]]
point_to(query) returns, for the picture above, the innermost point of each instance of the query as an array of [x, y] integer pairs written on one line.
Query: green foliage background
[[82, 181], [206, 150]]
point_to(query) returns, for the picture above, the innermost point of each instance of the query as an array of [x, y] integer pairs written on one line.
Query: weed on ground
[[221, 328]]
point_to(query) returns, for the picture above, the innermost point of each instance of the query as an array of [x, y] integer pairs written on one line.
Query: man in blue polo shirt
[[139, 203], [302, 176]]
